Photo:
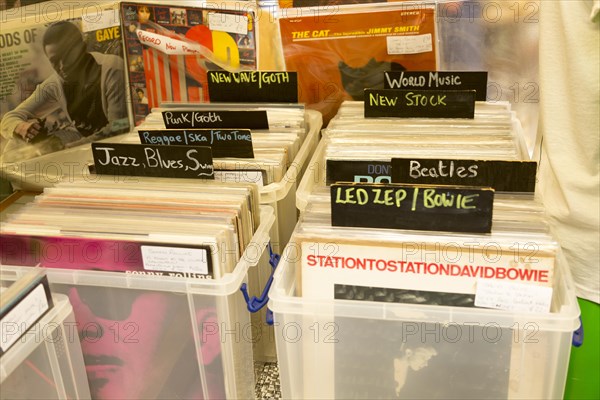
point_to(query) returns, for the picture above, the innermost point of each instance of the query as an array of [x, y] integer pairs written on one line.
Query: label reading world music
[[386, 103], [223, 142], [503, 176], [375, 171], [428, 208], [155, 161], [216, 119], [253, 86], [438, 80]]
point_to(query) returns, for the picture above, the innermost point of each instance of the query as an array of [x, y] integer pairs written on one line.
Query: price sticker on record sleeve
[[176, 259], [511, 296], [413, 44]]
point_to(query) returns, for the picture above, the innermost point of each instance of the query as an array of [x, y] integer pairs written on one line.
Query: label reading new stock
[[455, 80], [224, 142], [253, 86], [443, 208], [385, 103], [216, 119], [155, 161]]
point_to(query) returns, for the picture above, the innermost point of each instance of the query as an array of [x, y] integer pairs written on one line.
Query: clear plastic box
[[351, 349], [46, 362], [165, 337], [316, 175]]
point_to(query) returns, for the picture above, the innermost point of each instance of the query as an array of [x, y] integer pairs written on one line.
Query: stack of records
[[261, 155], [149, 226], [418, 260]]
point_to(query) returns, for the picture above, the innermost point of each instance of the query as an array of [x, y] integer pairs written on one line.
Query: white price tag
[[413, 44], [96, 18], [512, 296], [175, 259], [228, 23], [22, 316]]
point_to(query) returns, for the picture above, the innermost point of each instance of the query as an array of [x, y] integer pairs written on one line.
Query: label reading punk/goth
[[216, 119]]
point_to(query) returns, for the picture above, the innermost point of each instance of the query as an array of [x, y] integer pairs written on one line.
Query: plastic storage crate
[[351, 349], [282, 195], [165, 337], [315, 177], [46, 362]]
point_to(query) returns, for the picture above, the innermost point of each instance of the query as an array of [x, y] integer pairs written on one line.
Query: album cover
[[339, 53], [419, 360], [62, 83], [161, 70]]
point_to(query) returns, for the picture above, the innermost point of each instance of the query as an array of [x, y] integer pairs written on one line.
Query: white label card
[[228, 23], [512, 296], [22, 316], [175, 259], [95, 18], [413, 44], [240, 176]]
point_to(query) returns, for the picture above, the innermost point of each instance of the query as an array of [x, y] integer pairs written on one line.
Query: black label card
[[216, 119], [503, 176], [419, 103], [253, 86], [224, 142], [150, 160], [428, 208], [375, 171], [438, 80]]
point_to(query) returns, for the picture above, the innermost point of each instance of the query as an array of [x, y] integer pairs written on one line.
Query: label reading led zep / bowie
[[438, 80], [253, 86], [430, 208], [386, 103]]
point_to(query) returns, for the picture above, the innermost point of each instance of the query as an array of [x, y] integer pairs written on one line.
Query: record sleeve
[[160, 74], [62, 82], [339, 53]]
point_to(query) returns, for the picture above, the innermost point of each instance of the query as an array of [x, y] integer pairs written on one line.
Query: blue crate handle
[[256, 304], [578, 335]]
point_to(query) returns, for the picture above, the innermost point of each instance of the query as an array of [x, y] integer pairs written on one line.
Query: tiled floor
[[267, 381]]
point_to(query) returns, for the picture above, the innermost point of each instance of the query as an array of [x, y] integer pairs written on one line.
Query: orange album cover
[[339, 54]]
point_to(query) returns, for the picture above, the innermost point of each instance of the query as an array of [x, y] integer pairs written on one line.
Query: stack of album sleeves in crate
[[387, 256], [153, 268], [274, 156]]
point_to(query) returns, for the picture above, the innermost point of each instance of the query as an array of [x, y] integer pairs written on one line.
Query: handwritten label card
[[438, 80], [149, 160], [503, 176], [253, 86], [386, 103], [216, 119], [429, 208], [176, 259], [223, 142], [512, 296]]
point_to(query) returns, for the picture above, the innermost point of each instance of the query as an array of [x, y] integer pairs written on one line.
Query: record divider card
[[417, 207]]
